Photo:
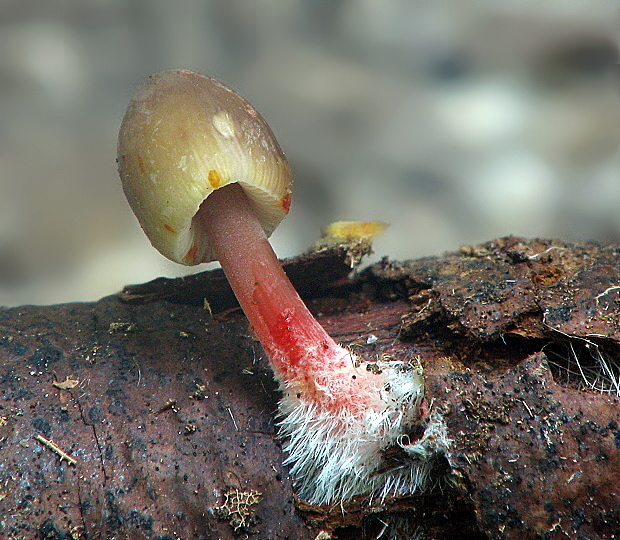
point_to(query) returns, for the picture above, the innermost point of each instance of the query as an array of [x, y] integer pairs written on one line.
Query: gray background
[[456, 122]]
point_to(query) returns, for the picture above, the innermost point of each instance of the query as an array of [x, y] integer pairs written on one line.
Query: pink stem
[[299, 348]]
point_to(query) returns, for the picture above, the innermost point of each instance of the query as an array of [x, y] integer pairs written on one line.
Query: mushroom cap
[[183, 136]]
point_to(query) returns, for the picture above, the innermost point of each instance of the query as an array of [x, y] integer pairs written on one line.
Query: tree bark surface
[[151, 414]]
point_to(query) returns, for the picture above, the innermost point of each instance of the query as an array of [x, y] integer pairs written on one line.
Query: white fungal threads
[[335, 458]]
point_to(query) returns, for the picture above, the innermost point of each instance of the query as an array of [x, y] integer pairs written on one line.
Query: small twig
[[49, 444], [604, 293], [527, 407], [233, 418], [536, 255], [207, 307], [169, 405], [139, 372]]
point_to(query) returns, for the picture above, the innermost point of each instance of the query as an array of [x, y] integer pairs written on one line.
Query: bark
[[166, 405]]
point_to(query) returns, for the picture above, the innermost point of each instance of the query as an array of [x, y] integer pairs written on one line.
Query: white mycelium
[[334, 458]]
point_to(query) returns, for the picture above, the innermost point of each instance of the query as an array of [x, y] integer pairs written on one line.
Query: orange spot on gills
[[286, 202], [169, 228], [190, 256], [215, 179]]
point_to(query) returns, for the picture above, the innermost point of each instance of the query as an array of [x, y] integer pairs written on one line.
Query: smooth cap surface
[[183, 136]]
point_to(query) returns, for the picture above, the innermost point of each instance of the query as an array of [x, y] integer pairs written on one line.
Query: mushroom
[[207, 180]]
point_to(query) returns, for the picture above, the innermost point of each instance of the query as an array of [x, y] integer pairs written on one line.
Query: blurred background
[[456, 122]]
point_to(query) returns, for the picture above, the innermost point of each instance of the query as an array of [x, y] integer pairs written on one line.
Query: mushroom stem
[[337, 414], [305, 359]]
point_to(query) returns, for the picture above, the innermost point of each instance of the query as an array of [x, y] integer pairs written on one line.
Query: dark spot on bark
[[44, 356], [108, 453], [94, 414], [49, 531], [579, 518], [43, 426], [114, 520], [557, 315], [13, 347], [9, 377], [602, 456], [85, 506], [63, 415], [117, 408], [140, 521], [25, 502]]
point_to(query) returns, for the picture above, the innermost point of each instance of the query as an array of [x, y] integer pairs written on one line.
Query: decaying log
[[147, 415]]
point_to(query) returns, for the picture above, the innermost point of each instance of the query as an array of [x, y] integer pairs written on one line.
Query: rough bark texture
[[168, 408]]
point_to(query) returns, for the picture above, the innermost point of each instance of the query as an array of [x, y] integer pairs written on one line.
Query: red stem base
[[304, 358]]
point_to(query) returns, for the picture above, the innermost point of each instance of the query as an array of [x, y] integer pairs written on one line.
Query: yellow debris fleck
[[67, 384], [351, 230]]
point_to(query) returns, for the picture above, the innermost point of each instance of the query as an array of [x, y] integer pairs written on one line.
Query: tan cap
[[183, 136]]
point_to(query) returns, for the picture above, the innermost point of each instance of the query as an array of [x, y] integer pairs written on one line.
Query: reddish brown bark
[[167, 407]]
